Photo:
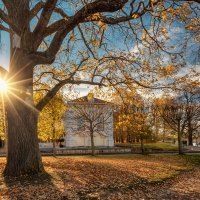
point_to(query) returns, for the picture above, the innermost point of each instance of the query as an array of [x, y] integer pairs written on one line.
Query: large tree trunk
[[23, 156]]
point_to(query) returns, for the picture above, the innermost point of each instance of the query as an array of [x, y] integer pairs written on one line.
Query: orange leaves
[[102, 25], [146, 66], [170, 69], [164, 32], [193, 26], [116, 177], [164, 16], [95, 16], [134, 16]]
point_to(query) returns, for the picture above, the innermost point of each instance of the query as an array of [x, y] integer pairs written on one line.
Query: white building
[[77, 131]]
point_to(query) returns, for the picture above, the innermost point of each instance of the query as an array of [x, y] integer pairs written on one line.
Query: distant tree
[[174, 115], [90, 119], [50, 123], [190, 97], [132, 119], [141, 123], [159, 125]]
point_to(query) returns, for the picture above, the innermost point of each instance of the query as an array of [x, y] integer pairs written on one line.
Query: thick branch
[[36, 9], [8, 21], [3, 28], [79, 17], [7, 4], [57, 87], [45, 16], [197, 1], [41, 5]]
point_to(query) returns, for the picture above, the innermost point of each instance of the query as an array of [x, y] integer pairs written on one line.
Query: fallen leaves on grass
[[101, 177]]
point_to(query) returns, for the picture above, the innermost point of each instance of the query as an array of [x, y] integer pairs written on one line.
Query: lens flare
[[3, 85]]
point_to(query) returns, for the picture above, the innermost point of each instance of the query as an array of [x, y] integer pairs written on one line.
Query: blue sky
[[5, 50], [116, 43]]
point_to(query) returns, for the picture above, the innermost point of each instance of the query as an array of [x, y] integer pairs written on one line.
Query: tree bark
[[142, 145], [23, 156], [180, 149], [92, 143], [190, 139]]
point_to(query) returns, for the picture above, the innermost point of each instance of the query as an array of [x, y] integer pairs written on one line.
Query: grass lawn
[[163, 146], [107, 177]]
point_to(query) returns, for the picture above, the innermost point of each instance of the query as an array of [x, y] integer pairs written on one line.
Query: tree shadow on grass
[[78, 179], [31, 187]]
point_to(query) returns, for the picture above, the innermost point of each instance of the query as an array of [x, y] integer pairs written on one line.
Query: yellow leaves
[[95, 42], [77, 78], [43, 75], [143, 36], [142, 52], [146, 67], [74, 67], [94, 17], [189, 27], [192, 25], [170, 68], [166, 71], [102, 25], [134, 16], [72, 36], [84, 67], [152, 5], [187, 12], [164, 17], [163, 30], [197, 38], [51, 117]]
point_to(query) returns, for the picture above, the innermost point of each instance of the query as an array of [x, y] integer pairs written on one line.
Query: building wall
[[74, 138]]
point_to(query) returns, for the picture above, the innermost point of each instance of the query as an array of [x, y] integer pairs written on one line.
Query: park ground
[[116, 177]]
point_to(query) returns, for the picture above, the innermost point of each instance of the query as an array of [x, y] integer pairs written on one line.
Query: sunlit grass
[[163, 146]]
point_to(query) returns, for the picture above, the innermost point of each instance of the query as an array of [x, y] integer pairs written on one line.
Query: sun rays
[[3, 86], [10, 90]]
